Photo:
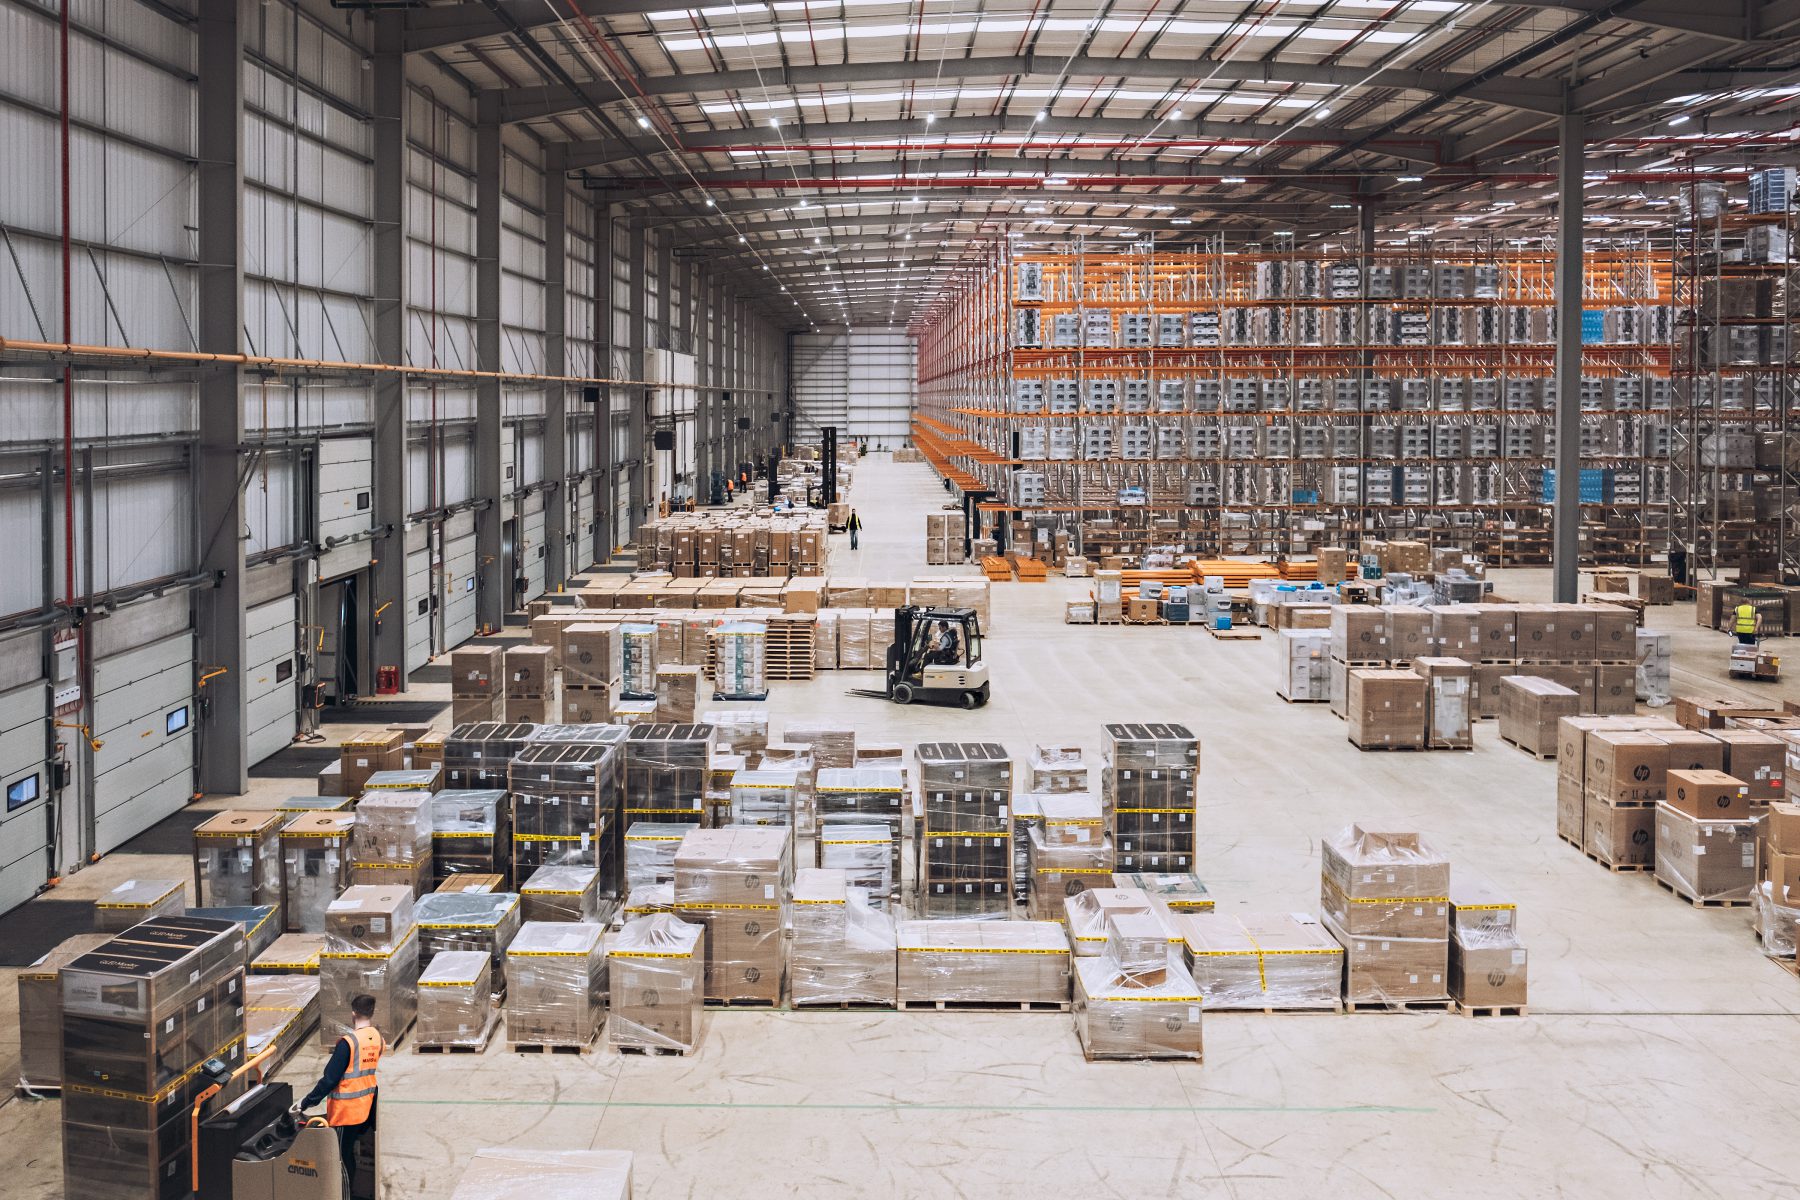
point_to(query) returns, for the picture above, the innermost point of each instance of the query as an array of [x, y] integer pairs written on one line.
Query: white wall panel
[[459, 579], [346, 488], [532, 551], [271, 689], [863, 381], [143, 772], [25, 791], [420, 596]]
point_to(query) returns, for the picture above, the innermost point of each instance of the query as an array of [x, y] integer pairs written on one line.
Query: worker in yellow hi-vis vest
[[1745, 624]]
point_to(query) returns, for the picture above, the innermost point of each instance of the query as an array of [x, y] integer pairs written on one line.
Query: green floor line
[[1347, 1109]]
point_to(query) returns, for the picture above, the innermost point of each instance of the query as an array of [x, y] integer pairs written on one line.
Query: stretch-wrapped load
[[452, 921], [843, 950], [315, 864], [637, 677], [859, 797], [478, 755], [666, 772], [658, 982], [1060, 869], [677, 693], [470, 832], [560, 894], [1087, 912], [456, 999], [1386, 898], [965, 839], [1263, 961], [650, 852], [740, 666], [279, 1011], [1118, 1016], [393, 828], [40, 1011], [1148, 790], [864, 853], [1024, 962], [555, 984], [568, 796], [237, 859], [370, 947], [138, 900], [736, 882], [764, 797], [738, 730]]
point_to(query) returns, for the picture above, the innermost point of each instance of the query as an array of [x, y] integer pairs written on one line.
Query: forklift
[[923, 667]]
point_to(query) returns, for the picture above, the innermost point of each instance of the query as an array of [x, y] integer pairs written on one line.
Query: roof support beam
[[448, 26], [1721, 20], [1532, 95]]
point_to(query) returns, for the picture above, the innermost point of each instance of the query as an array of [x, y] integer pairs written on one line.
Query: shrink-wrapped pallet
[[40, 1010], [390, 975], [1086, 914], [1385, 897], [864, 853], [555, 984], [982, 962], [736, 882], [392, 827], [469, 834], [138, 900], [1063, 869], [738, 730], [650, 852], [677, 694], [315, 864], [453, 921], [764, 797], [237, 859], [1263, 961], [842, 950], [637, 661], [1116, 1017], [657, 975], [560, 894], [740, 670], [456, 1000], [826, 641], [279, 1011]]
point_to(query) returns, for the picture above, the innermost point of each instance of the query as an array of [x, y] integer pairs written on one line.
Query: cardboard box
[[1118, 1016], [1614, 633], [1408, 632], [1781, 827], [1530, 708], [369, 918], [1691, 750], [1499, 632], [1705, 859], [1708, 795], [1620, 836], [1626, 767], [1013, 962], [529, 670], [1571, 810], [1386, 708], [476, 671], [658, 983], [1263, 961], [362, 754], [1488, 974], [1359, 634], [1450, 683], [1456, 631], [1478, 910], [1539, 633], [1757, 760]]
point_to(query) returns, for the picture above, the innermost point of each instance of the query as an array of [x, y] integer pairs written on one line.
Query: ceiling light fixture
[[1409, 178], [930, 118], [742, 239], [643, 121], [1176, 115], [1678, 121], [1232, 179], [1041, 114], [711, 203], [774, 122]]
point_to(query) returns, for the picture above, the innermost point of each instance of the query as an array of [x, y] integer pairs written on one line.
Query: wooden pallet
[[1336, 1008], [1565, 837], [1186, 1058], [1492, 1010], [741, 1002], [449, 1048], [541, 1048], [1044, 1006], [1236, 633], [1373, 749], [652, 1051], [1616, 868], [997, 569], [1668, 887], [1787, 964], [1031, 570], [843, 1006], [1540, 755], [1150, 621], [1400, 1006]]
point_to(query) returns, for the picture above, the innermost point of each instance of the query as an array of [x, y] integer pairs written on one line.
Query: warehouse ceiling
[[850, 159]]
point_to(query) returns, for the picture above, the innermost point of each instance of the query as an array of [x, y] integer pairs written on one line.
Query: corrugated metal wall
[[863, 381]]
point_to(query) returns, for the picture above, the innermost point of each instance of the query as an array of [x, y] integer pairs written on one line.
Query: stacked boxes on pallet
[[964, 845], [363, 754], [1777, 893], [944, 534], [865, 854], [138, 900], [1262, 961], [1706, 837], [1530, 707], [471, 834], [477, 684], [390, 844], [677, 694], [853, 800], [140, 1015], [1449, 694], [1386, 897], [737, 882], [590, 672], [370, 947], [1610, 785], [650, 852], [740, 670], [1086, 914], [1149, 792], [40, 1011], [1068, 852], [637, 661], [1386, 708], [556, 984], [1052, 768], [843, 950], [983, 962], [568, 796], [1305, 665], [764, 797], [1136, 999], [279, 1011], [315, 864], [456, 999], [658, 983], [666, 769], [455, 921], [561, 894], [531, 685], [237, 859], [1487, 963], [478, 756]]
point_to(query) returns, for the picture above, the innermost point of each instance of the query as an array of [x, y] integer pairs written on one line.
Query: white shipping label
[[1193, 1014], [1081, 835], [768, 891], [1003, 812], [377, 924], [1518, 957]]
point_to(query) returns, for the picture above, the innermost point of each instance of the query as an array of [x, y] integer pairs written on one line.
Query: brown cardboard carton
[[1615, 633], [1263, 961], [1499, 632], [1381, 970], [1408, 632], [1359, 634], [1708, 795], [1782, 869], [1626, 767], [1386, 708], [1781, 827], [1757, 760], [1571, 814], [983, 961], [1449, 683], [362, 754], [1489, 974], [1530, 708], [1479, 910], [369, 918], [1456, 631], [1119, 1016], [1423, 916], [1691, 750], [1538, 636], [1620, 836], [1615, 689], [1705, 859], [1487, 688], [1366, 864], [528, 670], [475, 671]]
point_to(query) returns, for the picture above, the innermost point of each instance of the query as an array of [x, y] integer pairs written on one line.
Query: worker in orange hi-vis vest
[[349, 1084]]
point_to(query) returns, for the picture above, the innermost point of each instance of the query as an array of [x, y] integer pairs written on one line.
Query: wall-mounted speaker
[[743, 422], [590, 395], [664, 439]]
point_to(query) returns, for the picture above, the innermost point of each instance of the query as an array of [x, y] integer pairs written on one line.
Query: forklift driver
[[944, 650]]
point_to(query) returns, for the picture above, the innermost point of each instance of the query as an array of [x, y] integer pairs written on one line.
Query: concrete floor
[[1658, 1059]]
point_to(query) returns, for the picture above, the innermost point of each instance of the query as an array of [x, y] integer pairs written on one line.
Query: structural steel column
[[388, 120], [637, 263], [606, 488], [223, 764], [1566, 537], [493, 574], [556, 362]]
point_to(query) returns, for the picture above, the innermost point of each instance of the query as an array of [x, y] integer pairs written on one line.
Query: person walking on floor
[[349, 1086], [855, 528]]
